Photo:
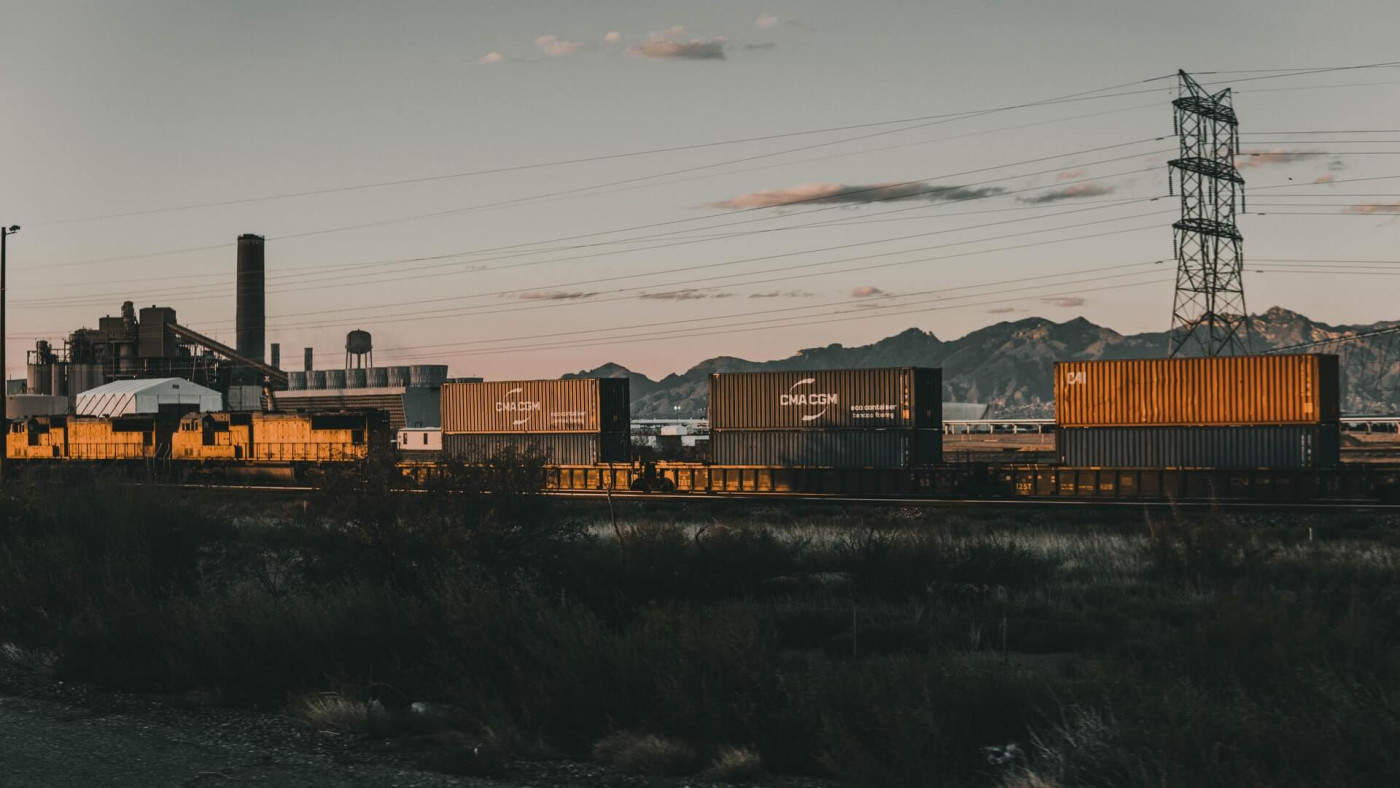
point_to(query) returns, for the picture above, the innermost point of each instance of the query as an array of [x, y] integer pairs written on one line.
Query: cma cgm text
[[807, 399]]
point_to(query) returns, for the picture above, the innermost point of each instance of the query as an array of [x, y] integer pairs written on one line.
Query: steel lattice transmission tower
[[1208, 315]]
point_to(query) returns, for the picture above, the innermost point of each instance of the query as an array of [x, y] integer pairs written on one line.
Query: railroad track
[[602, 496]]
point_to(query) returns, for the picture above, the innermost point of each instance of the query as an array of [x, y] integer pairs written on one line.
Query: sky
[[524, 189]]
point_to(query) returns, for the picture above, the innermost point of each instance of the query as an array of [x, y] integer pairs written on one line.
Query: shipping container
[[900, 397], [1259, 446], [537, 406], [563, 448], [827, 448], [1198, 391]]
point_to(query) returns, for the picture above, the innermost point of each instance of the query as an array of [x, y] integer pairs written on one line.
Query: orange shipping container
[[1233, 390]]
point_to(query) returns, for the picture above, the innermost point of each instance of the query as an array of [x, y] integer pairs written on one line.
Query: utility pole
[[5, 233], [1208, 313]]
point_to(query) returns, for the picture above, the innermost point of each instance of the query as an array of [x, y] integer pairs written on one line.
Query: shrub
[[645, 754]]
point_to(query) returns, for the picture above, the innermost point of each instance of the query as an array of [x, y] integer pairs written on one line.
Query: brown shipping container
[[1183, 392], [827, 448], [1259, 446], [536, 406], [898, 397], [558, 448]]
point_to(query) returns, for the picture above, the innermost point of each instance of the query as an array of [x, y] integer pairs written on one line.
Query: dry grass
[[645, 754], [735, 765], [331, 711]]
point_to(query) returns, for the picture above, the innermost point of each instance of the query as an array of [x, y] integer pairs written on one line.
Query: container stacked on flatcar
[[1224, 412], [843, 418], [581, 421]]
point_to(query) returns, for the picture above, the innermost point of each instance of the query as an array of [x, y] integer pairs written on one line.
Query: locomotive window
[[357, 437], [425, 439]]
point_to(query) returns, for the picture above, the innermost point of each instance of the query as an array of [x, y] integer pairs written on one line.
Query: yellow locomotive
[[255, 438]]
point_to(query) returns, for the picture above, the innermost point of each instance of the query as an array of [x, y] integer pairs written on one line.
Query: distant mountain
[[1009, 365]]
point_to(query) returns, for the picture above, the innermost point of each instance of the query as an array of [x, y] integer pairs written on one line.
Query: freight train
[[1254, 428]]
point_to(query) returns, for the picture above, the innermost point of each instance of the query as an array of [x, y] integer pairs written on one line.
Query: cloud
[[491, 58], [684, 295], [1258, 158], [1066, 302], [781, 294], [1001, 310], [612, 37], [1071, 192], [1325, 177], [667, 45], [553, 295], [1069, 175], [759, 47], [843, 193], [867, 291], [766, 22], [554, 47], [1373, 208]]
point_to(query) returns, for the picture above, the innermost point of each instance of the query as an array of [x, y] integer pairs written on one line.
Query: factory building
[[149, 345]]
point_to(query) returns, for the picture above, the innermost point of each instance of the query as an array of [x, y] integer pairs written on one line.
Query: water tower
[[359, 350]]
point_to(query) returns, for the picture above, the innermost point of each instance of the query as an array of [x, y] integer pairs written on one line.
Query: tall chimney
[[276, 356], [308, 359], [250, 321]]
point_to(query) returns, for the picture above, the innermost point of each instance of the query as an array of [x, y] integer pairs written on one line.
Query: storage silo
[[377, 377], [398, 376], [335, 378], [355, 378], [427, 375]]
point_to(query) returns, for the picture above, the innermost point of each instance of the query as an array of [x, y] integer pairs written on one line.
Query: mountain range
[[1009, 365]]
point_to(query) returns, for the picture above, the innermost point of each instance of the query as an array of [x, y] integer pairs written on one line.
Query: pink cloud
[[613, 37], [1069, 175], [667, 45], [766, 21], [1063, 302], [1256, 158], [1373, 208], [1001, 310], [1325, 177], [856, 194], [555, 47], [867, 291], [491, 58]]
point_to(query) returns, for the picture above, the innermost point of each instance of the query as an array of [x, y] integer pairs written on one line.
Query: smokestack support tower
[[1208, 313]]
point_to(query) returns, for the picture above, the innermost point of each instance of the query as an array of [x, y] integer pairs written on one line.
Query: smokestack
[[276, 356], [308, 359], [250, 321]]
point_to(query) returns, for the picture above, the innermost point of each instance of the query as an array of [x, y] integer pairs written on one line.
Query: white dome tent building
[[130, 397]]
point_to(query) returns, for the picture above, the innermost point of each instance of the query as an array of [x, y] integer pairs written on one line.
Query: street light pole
[[5, 233]]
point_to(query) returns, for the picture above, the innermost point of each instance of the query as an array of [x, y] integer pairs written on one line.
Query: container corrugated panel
[[827, 448], [537, 406], [1302, 389], [1267, 446], [898, 397], [559, 448]]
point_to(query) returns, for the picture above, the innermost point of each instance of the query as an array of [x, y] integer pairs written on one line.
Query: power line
[[876, 192]]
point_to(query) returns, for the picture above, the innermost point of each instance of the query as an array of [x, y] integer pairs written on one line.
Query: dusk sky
[[141, 138]]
